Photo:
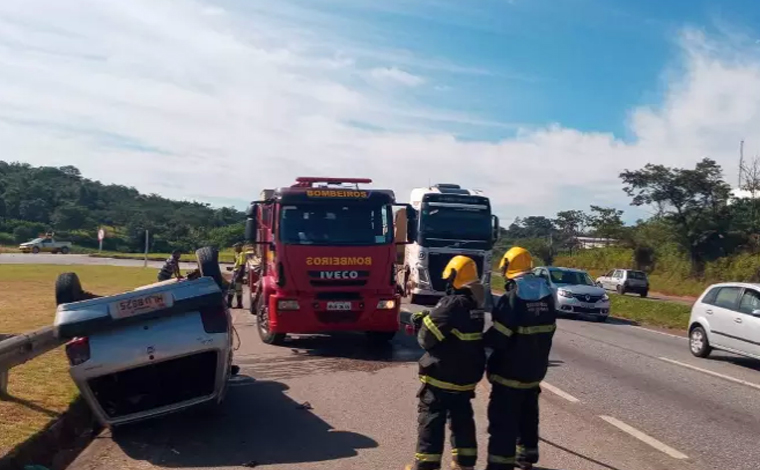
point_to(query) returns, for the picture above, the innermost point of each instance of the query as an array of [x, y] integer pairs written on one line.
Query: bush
[[7, 239]]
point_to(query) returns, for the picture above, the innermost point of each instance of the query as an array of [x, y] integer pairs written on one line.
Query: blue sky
[[541, 103]]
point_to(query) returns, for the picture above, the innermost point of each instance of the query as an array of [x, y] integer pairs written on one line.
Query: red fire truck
[[326, 259]]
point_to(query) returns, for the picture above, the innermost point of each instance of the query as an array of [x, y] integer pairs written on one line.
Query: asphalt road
[[610, 391]]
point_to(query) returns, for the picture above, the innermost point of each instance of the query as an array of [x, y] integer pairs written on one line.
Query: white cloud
[[396, 75], [189, 100]]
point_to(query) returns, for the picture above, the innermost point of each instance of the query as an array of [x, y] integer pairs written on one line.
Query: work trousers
[[512, 427], [436, 406]]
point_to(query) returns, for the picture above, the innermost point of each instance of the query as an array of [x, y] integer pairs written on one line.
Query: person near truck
[[453, 364], [238, 270], [524, 322], [171, 267]]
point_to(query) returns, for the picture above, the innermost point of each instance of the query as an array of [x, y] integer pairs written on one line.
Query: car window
[[727, 297], [609, 274], [637, 275], [750, 302], [709, 298]]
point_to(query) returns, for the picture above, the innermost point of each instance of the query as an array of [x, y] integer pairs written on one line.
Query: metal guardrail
[[16, 350]]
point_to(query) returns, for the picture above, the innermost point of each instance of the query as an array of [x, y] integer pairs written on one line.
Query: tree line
[[35, 200], [694, 214]]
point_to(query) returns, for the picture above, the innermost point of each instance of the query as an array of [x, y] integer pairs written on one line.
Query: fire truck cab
[[326, 251]]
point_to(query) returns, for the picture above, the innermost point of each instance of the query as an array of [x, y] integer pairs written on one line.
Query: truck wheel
[[68, 289], [35, 250], [380, 337], [262, 324], [65, 250], [208, 264]]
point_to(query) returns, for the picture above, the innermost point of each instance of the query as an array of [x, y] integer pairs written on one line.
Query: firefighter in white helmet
[[524, 321]]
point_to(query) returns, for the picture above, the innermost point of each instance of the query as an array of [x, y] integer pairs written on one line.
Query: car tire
[[620, 290], [65, 250], [380, 337], [208, 264], [262, 326], [601, 319], [68, 289], [35, 250], [698, 343], [644, 293]]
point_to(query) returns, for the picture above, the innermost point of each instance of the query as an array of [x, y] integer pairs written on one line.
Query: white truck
[[45, 244], [450, 221]]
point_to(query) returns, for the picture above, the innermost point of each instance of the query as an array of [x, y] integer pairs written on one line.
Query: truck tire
[[68, 289], [35, 250], [380, 337], [208, 264], [65, 250], [262, 325]]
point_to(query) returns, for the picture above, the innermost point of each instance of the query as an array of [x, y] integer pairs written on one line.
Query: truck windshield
[[336, 224], [455, 222]]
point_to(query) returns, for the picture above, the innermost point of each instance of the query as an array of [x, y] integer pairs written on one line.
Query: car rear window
[[637, 275]]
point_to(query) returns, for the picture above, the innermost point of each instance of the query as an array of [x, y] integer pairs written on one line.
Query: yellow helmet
[[516, 261], [463, 270]]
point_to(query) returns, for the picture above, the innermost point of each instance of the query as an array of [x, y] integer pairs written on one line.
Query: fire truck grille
[[437, 263]]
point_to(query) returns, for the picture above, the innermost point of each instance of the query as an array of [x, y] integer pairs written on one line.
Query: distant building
[[592, 242]]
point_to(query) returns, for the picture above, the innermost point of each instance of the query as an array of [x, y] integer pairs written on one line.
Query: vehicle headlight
[[287, 305], [605, 298], [386, 305], [564, 293]]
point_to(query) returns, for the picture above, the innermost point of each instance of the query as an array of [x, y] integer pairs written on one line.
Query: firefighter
[[524, 321], [453, 364], [237, 276], [171, 267]]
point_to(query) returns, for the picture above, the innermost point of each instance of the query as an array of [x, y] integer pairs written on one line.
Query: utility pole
[[741, 164], [145, 264]]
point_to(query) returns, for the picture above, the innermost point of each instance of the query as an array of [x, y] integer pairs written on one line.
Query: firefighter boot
[[239, 298], [229, 300]]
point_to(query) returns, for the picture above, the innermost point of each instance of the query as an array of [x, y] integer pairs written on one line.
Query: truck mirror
[[250, 230], [496, 229], [411, 224]]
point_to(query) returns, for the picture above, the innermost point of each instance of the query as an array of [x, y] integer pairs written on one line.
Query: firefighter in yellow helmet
[[524, 321], [453, 364]]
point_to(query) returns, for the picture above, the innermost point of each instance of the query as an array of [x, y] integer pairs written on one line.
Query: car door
[[616, 279], [605, 279], [721, 312], [748, 318]]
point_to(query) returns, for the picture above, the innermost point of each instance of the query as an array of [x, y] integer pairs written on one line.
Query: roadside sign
[[101, 234]]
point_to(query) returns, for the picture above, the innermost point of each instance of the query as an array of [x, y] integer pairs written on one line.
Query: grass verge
[[41, 390], [224, 256]]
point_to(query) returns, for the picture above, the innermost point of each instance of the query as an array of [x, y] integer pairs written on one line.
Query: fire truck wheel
[[262, 323], [380, 337], [208, 263]]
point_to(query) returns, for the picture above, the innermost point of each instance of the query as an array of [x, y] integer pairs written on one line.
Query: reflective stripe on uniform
[[433, 329], [499, 459], [502, 329], [467, 336], [427, 457], [446, 385], [512, 383], [467, 452], [534, 330], [522, 450]]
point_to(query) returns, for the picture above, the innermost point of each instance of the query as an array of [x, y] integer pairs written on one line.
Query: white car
[[623, 281], [576, 294], [159, 349], [726, 316]]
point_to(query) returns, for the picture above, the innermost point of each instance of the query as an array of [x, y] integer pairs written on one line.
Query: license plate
[[342, 306], [140, 305]]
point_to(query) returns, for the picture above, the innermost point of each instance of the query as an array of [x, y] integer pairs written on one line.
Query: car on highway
[[576, 294], [727, 317], [623, 281], [159, 349]]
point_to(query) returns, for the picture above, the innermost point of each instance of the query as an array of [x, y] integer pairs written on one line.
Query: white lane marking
[[660, 332], [645, 438], [559, 392], [709, 372]]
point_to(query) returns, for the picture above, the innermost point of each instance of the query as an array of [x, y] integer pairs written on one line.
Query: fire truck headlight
[[287, 305], [386, 304]]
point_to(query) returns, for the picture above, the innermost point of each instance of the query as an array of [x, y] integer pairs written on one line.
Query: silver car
[[156, 350], [623, 281], [575, 293]]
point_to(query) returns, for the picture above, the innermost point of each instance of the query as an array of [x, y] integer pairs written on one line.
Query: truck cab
[[451, 221], [326, 251]]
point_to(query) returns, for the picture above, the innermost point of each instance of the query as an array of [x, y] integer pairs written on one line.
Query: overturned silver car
[[158, 349]]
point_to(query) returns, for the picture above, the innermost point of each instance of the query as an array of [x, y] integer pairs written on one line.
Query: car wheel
[[645, 293], [65, 250], [698, 343], [208, 264], [601, 319], [380, 337], [262, 325], [35, 250], [620, 290]]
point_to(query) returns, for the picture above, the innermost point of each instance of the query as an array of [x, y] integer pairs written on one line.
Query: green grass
[[41, 389]]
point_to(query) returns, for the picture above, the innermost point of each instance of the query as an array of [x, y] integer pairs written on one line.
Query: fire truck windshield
[[336, 223]]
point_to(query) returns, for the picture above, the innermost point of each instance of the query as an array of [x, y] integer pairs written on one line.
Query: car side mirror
[[496, 229], [756, 313]]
